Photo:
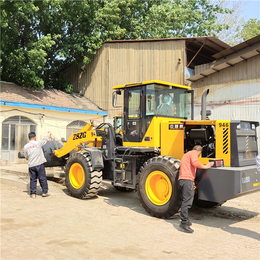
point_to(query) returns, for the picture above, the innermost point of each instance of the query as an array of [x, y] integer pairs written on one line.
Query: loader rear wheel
[[81, 181], [158, 186]]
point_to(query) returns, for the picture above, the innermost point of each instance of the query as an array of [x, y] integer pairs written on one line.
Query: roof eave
[[230, 58], [52, 108]]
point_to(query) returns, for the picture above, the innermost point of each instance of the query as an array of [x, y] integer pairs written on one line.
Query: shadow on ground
[[230, 216], [116, 198], [207, 217]]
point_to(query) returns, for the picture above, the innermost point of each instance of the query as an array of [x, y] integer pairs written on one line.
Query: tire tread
[[93, 178], [173, 166]]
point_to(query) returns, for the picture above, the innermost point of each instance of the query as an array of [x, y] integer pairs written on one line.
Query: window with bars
[[15, 132]]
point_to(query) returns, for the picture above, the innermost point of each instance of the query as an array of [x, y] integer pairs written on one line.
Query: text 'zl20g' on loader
[[158, 129]]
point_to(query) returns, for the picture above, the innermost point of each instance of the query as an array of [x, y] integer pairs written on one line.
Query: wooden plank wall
[[124, 62]]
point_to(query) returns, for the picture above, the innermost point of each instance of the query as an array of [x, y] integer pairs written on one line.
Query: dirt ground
[[115, 226]]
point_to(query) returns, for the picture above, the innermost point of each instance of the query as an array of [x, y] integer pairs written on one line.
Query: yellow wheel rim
[[158, 188], [76, 175]]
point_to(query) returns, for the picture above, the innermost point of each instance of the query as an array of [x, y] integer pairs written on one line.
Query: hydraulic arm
[[85, 135]]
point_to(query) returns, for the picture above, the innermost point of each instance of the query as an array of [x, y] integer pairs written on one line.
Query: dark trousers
[[38, 172], [187, 191]]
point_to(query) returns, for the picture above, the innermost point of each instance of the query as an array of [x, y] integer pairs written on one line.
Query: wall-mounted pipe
[[203, 104]]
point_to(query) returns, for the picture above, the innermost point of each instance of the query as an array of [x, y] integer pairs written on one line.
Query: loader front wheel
[[81, 181], [158, 186], [76, 175]]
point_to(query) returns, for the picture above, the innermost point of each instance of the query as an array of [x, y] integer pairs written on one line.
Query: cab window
[[162, 100], [134, 103]]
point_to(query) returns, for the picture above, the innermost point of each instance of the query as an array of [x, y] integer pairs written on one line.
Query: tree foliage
[[249, 29], [38, 38]]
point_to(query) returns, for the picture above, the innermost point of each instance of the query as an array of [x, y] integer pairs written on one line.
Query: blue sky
[[252, 10]]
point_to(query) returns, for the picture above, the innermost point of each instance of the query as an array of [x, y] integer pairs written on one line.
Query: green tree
[[38, 38], [24, 48], [249, 29]]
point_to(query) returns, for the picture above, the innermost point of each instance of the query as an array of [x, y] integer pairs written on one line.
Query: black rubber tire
[[170, 167], [93, 179], [203, 203]]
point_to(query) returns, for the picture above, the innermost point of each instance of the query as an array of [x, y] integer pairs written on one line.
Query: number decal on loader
[[223, 125], [79, 135]]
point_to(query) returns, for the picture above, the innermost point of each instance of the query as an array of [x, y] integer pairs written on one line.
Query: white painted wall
[[47, 120]]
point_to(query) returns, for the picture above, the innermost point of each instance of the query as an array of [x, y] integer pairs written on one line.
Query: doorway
[[15, 131]]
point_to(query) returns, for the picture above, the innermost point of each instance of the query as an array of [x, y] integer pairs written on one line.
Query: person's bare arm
[[195, 162], [45, 140], [208, 165]]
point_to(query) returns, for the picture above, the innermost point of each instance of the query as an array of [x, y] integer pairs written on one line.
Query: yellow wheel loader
[[158, 128]]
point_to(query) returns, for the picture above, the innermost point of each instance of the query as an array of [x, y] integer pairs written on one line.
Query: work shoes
[[186, 228], [46, 194], [33, 196], [189, 223]]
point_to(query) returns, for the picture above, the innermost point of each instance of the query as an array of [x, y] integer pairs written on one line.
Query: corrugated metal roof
[[212, 41], [237, 48], [47, 97], [199, 50], [230, 57]]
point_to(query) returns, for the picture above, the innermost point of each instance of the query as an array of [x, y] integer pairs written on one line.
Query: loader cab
[[146, 100]]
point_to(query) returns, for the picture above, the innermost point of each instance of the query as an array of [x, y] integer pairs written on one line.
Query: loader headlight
[[238, 126], [253, 126]]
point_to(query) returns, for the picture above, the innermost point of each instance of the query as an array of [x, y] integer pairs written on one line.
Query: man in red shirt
[[189, 164]]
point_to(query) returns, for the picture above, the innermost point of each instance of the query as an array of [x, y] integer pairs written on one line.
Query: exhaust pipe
[[203, 104]]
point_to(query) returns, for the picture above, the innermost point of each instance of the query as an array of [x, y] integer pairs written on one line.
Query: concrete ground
[[115, 226]]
